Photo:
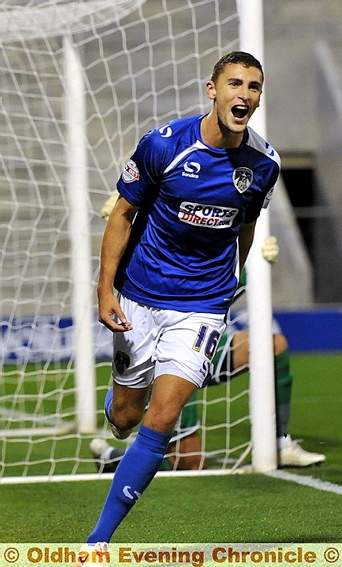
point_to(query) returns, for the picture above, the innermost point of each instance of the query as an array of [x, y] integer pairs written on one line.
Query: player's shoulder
[[175, 128], [164, 143], [159, 147], [259, 144]]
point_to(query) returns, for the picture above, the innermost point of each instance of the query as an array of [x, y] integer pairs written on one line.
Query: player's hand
[[111, 314], [270, 249], [109, 205]]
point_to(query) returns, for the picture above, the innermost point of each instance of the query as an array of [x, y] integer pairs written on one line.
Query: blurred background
[[303, 48]]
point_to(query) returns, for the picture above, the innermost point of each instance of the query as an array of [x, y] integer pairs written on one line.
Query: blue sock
[[108, 404], [134, 473]]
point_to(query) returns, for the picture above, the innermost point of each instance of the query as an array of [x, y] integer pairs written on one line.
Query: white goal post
[[259, 293], [81, 82]]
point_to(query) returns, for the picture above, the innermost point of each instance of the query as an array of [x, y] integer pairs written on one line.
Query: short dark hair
[[235, 57]]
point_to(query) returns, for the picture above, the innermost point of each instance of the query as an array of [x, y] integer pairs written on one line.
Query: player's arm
[[114, 243], [246, 236]]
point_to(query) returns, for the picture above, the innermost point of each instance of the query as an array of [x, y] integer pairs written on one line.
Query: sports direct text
[[207, 215], [194, 555]]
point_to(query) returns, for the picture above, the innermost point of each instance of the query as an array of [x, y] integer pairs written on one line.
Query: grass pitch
[[242, 508]]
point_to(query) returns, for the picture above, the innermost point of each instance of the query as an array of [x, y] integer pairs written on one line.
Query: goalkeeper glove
[[109, 205], [270, 249]]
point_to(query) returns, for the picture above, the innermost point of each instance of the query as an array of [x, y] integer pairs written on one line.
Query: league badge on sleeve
[[131, 172]]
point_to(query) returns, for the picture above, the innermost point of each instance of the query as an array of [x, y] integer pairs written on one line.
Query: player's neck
[[215, 137]]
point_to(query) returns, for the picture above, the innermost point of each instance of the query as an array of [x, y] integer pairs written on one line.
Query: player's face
[[236, 94]]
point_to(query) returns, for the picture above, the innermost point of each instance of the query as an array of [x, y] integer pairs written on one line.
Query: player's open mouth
[[240, 110]]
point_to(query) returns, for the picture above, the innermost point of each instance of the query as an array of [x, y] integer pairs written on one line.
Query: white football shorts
[[164, 341]]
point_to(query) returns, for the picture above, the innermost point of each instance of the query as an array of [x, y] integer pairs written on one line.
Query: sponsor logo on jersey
[[131, 172], [165, 131], [191, 169], [242, 178], [211, 216]]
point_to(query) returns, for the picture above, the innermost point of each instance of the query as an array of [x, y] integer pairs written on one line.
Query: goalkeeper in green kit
[[231, 359]]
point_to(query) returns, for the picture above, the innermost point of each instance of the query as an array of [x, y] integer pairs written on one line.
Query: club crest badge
[[242, 178], [121, 362]]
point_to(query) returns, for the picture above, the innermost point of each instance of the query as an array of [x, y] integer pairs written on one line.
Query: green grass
[[242, 508], [316, 411], [47, 391], [248, 508]]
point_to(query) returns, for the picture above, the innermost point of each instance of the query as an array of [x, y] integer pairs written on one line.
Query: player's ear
[[211, 90]]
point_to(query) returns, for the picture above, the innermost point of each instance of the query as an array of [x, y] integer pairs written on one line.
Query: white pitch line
[[306, 481]]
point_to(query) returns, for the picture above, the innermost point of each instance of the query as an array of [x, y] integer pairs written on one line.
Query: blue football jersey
[[193, 198]]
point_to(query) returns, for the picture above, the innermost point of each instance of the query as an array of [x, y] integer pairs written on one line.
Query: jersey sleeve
[[271, 184], [141, 173], [261, 201]]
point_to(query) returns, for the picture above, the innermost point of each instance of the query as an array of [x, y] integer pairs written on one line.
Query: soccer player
[[232, 354], [189, 200], [230, 360]]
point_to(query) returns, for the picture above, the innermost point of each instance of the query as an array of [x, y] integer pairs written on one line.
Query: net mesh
[[142, 63]]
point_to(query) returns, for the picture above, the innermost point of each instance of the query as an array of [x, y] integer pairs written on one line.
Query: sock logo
[[135, 496]]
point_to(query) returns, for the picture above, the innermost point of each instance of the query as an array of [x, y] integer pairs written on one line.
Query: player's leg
[[237, 360], [176, 380], [283, 384], [194, 338], [144, 457], [289, 452], [106, 457], [184, 451], [283, 377], [124, 408], [132, 372], [185, 448], [183, 454], [169, 395], [124, 411]]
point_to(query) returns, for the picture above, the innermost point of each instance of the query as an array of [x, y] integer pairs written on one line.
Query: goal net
[[81, 82]]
